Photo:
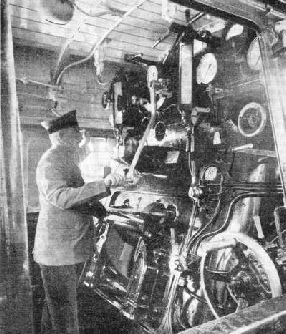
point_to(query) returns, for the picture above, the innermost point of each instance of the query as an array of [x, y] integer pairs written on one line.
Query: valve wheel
[[236, 277]]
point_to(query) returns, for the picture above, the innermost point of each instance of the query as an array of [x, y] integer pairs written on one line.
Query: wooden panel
[[92, 123], [146, 22], [80, 91], [119, 42], [127, 37], [54, 43], [34, 101], [39, 44], [115, 50], [26, 13], [140, 27], [96, 26], [28, 59], [49, 29], [44, 39], [113, 56], [130, 26], [26, 3]]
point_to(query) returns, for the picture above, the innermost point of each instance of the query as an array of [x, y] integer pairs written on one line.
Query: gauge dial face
[[251, 119], [211, 173], [254, 56], [207, 69], [234, 30]]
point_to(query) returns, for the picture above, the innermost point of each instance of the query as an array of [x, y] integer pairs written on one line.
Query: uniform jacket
[[63, 236]]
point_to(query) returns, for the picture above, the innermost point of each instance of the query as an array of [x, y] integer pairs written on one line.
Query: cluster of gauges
[[252, 117], [208, 66]]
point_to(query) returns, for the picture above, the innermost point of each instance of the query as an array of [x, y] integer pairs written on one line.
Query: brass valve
[[195, 192]]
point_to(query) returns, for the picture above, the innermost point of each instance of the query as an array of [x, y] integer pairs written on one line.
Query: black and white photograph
[[143, 167]]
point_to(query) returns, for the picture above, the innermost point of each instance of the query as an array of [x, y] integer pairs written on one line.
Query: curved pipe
[[97, 44], [239, 197]]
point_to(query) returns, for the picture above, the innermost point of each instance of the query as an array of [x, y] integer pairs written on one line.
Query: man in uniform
[[64, 234]]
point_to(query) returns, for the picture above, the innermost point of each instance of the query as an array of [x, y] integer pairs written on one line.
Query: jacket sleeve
[[54, 187]]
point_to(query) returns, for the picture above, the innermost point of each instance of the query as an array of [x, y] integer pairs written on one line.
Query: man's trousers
[[60, 314]]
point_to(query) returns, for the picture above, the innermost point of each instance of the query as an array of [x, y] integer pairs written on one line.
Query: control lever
[[152, 77], [161, 39], [138, 59], [174, 27]]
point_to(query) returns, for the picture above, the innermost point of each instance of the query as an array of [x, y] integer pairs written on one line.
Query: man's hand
[[133, 177], [115, 180]]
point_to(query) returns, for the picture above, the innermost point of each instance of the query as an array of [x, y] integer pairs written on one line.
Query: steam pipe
[[239, 197]]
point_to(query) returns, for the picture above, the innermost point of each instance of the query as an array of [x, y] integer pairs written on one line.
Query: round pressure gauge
[[211, 173], [251, 119], [207, 69], [254, 56], [234, 30]]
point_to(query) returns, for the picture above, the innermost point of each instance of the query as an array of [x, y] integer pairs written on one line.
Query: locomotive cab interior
[[197, 123], [211, 138]]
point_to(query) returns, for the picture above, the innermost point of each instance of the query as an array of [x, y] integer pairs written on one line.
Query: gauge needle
[[207, 71]]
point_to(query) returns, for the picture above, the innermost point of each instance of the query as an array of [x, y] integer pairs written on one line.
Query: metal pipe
[[200, 235], [196, 18]]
